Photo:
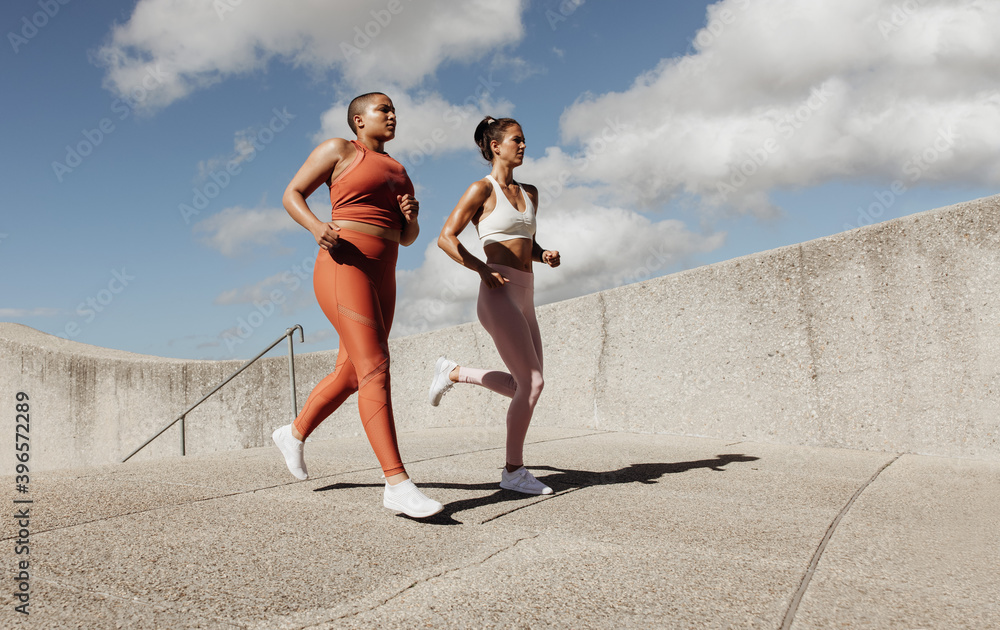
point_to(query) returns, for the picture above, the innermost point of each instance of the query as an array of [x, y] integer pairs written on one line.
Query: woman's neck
[[373, 144], [503, 173]]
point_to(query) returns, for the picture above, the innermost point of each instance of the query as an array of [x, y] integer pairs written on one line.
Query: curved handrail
[[291, 371]]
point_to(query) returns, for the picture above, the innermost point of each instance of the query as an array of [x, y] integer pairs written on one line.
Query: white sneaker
[[405, 497], [522, 481], [292, 451], [441, 382]]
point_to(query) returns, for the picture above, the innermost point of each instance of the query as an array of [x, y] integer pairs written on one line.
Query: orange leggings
[[355, 284]]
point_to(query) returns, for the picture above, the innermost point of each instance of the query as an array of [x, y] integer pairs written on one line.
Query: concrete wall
[[882, 338]]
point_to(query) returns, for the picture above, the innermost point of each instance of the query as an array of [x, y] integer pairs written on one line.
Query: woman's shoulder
[[336, 147], [531, 191], [481, 188]]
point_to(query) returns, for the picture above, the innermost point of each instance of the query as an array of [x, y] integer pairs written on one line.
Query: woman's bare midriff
[[514, 253], [388, 234]]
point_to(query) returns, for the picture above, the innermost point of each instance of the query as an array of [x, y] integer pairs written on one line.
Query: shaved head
[[358, 105]]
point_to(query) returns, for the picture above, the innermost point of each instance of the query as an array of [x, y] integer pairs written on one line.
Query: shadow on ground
[[562, 481]]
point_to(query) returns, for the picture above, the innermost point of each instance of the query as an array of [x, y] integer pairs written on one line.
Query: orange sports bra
[[366, 191]]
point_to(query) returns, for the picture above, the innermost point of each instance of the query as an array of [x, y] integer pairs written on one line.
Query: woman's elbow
[[445, 240], [409, 237], [286, 200]]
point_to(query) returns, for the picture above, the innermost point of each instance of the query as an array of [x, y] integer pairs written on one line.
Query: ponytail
[[491, 129]]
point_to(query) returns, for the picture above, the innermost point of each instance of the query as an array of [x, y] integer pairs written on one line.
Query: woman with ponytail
[[503, 211]]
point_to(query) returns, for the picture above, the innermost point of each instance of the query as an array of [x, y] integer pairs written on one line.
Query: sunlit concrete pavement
[[647, 531]]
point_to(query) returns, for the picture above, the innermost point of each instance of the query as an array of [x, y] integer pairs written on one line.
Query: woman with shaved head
[[374, 212]]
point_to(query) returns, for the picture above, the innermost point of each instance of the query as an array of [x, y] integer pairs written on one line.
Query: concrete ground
[[647, 531]]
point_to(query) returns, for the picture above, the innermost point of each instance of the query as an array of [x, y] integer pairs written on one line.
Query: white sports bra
[[505, 222]]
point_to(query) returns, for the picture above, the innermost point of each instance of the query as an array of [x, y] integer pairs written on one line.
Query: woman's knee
[[376, 367], [536, 384]]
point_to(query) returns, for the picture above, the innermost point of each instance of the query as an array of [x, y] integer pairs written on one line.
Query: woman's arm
[[548, 256], [470, 203], [410, 208], [318, 169]]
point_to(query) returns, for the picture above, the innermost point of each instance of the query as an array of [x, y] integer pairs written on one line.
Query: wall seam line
[[601, 353]]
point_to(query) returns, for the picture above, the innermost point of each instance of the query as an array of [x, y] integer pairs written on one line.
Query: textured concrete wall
[[882, 338]]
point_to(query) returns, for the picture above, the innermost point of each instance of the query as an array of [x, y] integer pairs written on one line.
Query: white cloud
[[518, 68], [233, 230], [273, 289], [190, 44], [600, 247], [776, 95], [437, 294], [786, 94], [243, 150], [320, 335], [428, 124]]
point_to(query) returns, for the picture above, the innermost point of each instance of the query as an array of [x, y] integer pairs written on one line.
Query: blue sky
[[664, 135]]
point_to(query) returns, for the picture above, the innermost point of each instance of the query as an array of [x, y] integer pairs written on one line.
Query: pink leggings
[[508, 314]]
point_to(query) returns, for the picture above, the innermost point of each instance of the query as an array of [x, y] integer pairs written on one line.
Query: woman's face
[[380, 118], [511, 148]]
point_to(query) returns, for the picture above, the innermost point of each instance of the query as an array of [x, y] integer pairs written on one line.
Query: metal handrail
[[291, 372]]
